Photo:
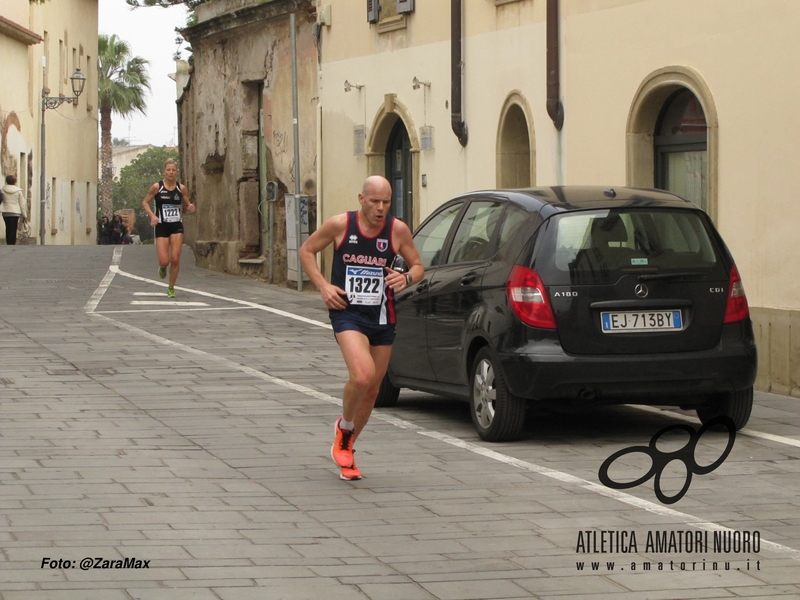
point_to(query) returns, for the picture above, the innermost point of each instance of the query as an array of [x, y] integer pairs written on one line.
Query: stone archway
[[515, 147], [646, 107], [391, 111]]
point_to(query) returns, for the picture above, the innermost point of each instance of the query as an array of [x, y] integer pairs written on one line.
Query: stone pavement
[[192, 439]]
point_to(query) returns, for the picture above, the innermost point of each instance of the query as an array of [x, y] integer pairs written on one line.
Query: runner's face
[[375, 204], [170, 172]]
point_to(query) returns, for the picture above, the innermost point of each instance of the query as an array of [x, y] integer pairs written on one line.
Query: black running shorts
[[167, 229], [378, 335]]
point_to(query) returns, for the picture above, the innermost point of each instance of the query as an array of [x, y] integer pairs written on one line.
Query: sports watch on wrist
[[409, 279]]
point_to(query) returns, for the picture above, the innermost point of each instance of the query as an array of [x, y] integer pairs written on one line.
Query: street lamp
[[78, 81]]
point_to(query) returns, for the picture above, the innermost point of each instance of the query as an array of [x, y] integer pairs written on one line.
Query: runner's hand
[[332, 297], [395, 279], [154, 221]]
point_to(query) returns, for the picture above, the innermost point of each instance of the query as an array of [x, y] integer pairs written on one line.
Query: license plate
[[641, 321]]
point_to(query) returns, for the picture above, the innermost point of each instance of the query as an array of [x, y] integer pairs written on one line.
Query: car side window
[[471, 241], [430, 238], [515, 218]]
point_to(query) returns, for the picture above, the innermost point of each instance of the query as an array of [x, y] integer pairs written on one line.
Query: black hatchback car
[[574, 296]]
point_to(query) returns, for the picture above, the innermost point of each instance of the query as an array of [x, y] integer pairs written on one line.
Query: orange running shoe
[[342, 449], [350, 473]]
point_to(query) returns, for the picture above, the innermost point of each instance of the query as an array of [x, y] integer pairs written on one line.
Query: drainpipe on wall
[[554, 107], [296, 129], [456, 77]]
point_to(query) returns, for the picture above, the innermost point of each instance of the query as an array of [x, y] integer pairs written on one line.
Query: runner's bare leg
[[366, 366]]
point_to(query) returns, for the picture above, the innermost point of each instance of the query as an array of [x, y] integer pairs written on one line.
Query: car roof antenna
[[610, 193]]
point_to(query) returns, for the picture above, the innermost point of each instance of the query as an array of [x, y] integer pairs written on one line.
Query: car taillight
[[528, 298], [736, 309]]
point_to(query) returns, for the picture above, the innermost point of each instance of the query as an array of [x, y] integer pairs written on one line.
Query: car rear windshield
[[601, 246]]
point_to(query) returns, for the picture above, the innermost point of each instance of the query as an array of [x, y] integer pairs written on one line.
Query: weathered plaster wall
[[241, 63]]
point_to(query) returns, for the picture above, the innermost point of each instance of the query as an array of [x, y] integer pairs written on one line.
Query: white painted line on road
[[221, 360], [101, 289], [745, 431], [768, 436], [148, 293], [166, 303], [652, 507], [164, 310], [276, 311]]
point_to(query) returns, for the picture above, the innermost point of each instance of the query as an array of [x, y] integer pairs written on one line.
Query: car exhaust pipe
[[587, 394]]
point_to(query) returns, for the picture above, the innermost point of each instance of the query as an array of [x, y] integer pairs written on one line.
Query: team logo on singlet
[[382, 245], [353, 239]]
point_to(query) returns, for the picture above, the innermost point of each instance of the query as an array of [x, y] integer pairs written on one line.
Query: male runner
[[170, 196], [360, 299]]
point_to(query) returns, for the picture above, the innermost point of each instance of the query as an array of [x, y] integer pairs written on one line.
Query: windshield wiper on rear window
[[684, 275]]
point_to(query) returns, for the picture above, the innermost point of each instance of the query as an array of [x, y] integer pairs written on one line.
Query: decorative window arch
[[515, 148], [643, 119]]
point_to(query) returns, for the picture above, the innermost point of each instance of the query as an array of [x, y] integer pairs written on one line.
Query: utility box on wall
[[291, 233]]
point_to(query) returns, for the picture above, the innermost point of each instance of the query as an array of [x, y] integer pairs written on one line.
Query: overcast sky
[[151, 35]]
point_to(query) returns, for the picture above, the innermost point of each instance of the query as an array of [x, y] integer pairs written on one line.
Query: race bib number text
[[364, 285], [171, 213]]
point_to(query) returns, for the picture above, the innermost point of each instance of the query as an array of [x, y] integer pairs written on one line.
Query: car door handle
[[422, 287], [468, 279]]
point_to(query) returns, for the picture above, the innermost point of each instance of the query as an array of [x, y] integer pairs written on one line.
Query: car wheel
[[498, 415], [387, 394], [736, 405]]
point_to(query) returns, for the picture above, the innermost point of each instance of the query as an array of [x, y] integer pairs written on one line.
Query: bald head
[[376, 186]]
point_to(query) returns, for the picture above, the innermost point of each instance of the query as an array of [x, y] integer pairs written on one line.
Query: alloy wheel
[[484, 394]]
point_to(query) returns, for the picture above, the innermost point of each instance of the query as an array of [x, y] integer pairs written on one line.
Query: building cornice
[[245, 16], [18, 32]]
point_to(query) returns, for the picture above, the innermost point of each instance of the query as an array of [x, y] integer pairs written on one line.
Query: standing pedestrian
[[360, 299], [102, 230], [14, 208], [170, 196], [116, 230]]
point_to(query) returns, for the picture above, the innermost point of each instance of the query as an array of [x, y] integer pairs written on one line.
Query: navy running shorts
[[378, 335], [168, 229]]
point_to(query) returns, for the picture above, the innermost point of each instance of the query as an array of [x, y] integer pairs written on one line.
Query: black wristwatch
[[409, 279]]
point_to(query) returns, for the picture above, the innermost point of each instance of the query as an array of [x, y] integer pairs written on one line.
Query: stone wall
[[237, 131], [778, 341]]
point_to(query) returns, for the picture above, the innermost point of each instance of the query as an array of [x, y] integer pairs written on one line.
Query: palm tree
[[122, 81]]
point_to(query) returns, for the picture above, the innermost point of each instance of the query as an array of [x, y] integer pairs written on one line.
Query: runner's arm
[[330, 231], [186, 202], [147, 201], [406, 249]]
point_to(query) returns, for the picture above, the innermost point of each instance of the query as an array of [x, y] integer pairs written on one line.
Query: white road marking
[[652, 507], [147, 310], [101, 289], [744, 431], [148, 293], [166, 303], [276, 311]]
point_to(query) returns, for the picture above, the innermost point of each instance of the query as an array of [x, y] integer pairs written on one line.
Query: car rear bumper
[[546, 372]]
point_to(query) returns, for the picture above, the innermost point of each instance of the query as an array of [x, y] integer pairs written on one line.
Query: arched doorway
[[666, 146], [514, 155], [681, 148], [393, 151], [399, 172]]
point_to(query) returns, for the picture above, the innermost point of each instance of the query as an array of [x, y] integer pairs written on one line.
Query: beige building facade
[[42, 46], [697, 97]]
